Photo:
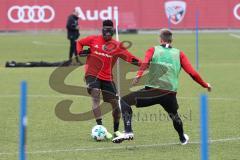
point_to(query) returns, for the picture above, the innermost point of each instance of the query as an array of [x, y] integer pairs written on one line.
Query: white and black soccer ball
[[99, 132]]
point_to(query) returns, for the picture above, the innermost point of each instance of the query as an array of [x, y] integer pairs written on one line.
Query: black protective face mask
[[107, 32]]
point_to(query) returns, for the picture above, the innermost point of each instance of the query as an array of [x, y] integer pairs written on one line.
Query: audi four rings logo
[[28, 14]]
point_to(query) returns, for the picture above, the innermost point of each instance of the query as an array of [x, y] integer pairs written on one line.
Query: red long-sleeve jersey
[[185, 64], [103, 56]]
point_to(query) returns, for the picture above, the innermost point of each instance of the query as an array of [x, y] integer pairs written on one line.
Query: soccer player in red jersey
[[104, 52], [164, 63]]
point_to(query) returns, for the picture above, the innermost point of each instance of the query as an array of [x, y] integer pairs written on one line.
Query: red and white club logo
[[236, 11], [31, 14], [175, 11]]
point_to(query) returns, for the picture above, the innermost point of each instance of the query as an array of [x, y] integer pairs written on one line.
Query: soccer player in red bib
[[164, 63], [104, 52]]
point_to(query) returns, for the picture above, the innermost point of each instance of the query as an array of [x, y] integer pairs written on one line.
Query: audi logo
[[28, 14]]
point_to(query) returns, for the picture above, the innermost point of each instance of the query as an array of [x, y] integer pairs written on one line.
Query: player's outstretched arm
[[145, 64], [186, 65], [129, 57]]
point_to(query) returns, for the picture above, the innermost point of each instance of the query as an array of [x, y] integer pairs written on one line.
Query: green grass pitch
[[50, 138]]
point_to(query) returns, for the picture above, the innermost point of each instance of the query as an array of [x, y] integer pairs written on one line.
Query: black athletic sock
[[178, 125], [99, 121], [179, 128], [127, 116], [115, 126]]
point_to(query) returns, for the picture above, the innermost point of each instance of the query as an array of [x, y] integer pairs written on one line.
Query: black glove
[[135, 62], [85, 52]]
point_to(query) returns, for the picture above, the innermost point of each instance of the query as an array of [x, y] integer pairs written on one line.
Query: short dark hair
[[166, 35], [107, 23]]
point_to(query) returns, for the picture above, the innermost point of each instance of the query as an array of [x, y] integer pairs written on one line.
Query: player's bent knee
[[95, 92], [110, 97]]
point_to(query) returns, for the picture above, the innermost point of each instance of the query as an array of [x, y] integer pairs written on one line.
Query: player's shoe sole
[[123, 137]]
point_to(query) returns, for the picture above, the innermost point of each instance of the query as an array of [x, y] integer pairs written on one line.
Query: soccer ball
[[99, 132]]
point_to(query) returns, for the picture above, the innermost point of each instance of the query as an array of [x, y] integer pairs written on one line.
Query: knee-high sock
[[127, 116], [178, 125]]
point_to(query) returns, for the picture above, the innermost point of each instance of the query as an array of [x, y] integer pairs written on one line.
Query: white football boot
[[184, 142], [123, 137]]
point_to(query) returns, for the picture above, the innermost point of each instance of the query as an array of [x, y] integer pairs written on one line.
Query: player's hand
[[209, 87], [84, 52], [135, 81]]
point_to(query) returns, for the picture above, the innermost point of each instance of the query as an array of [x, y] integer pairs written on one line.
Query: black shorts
[[151, 96], [108, 88]]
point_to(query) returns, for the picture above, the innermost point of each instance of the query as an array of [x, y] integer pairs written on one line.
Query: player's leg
[[95, 94], [109, 93], [170, 105], [75, 51], [126, 103], [142, 98], [94, 91], [71, 49]]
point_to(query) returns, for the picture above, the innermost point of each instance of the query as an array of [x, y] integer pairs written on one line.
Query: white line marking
[[117, 147], [48, 44], [213, 98], [219, 64], [235, 35], [77, 96]]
